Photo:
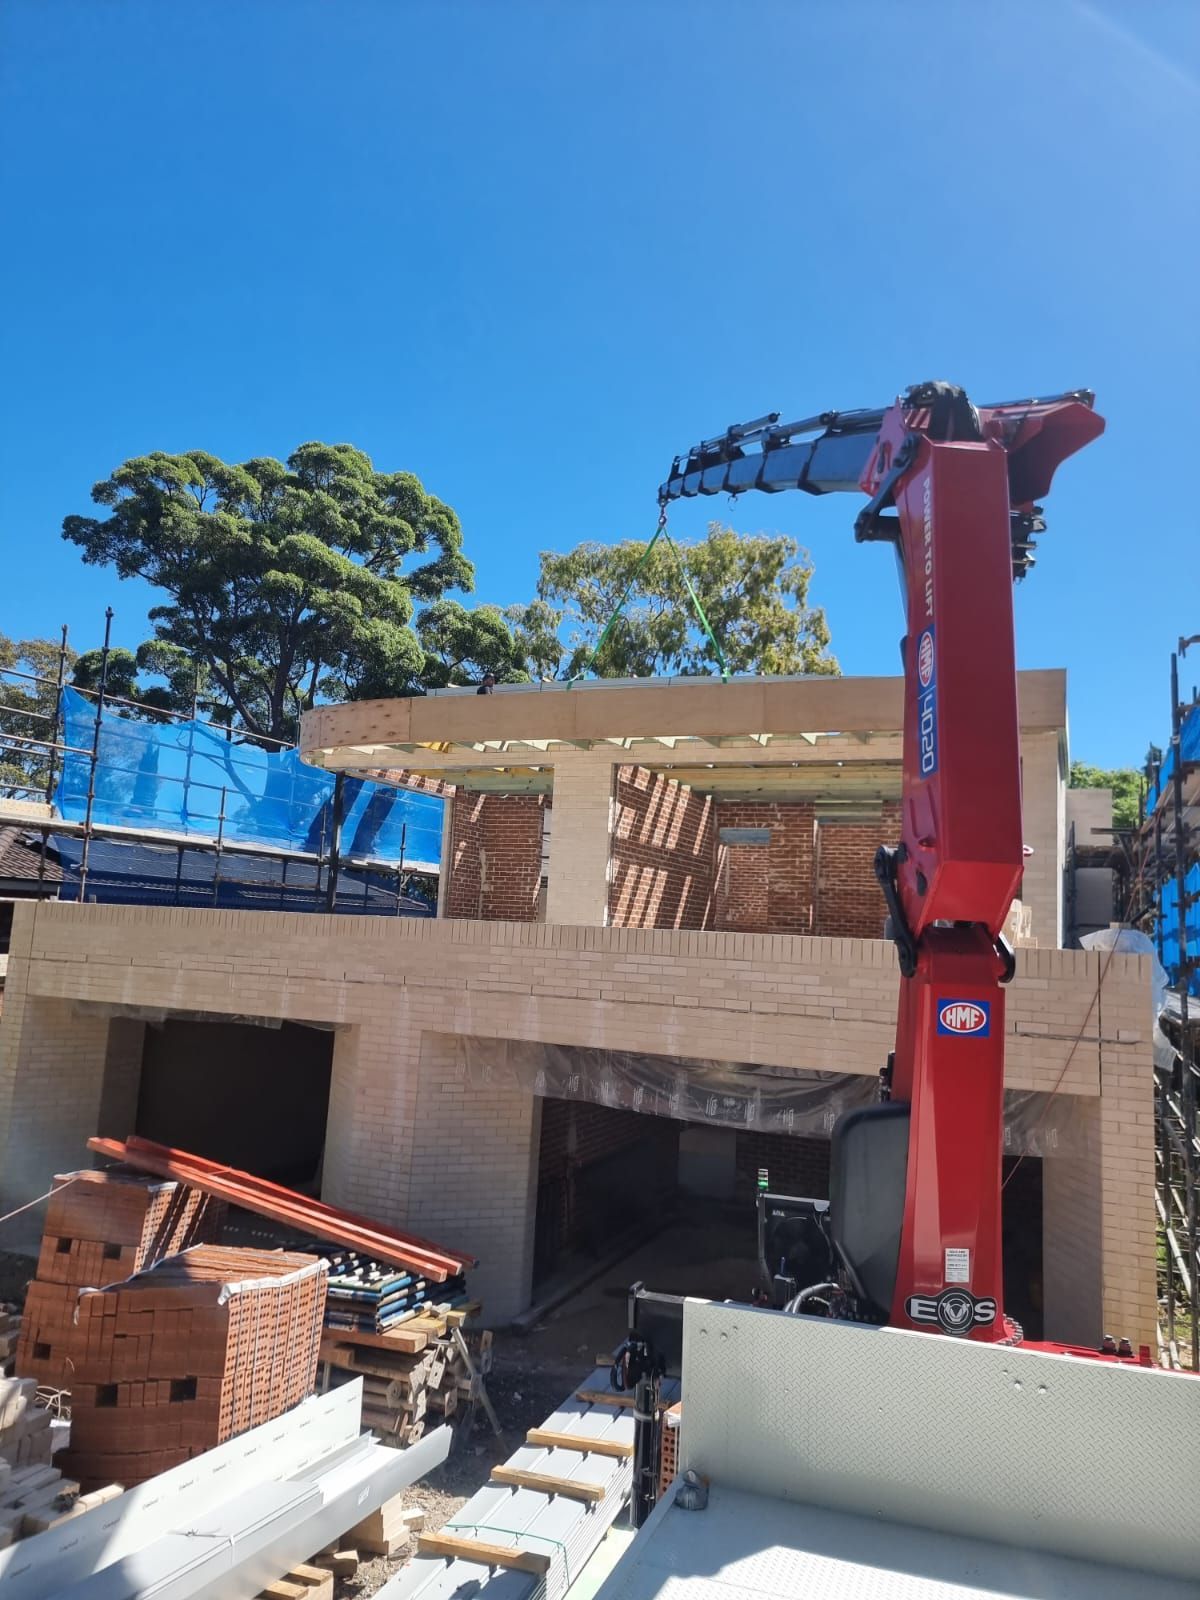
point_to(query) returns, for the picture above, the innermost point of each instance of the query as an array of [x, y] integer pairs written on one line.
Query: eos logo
[[962, 1017], [925, 658], [954, 1311]]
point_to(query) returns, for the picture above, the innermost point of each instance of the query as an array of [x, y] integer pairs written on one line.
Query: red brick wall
[[495, 856], [794, 1165], [662, 854], [464, 895], [849, 901], [765, 889]]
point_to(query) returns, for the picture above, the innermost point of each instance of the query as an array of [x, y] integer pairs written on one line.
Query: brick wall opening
[[254, 1097], [764, 887], [781, 867], [601, 1172]]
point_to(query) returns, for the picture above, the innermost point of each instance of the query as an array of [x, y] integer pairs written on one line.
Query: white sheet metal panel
[[239, 1547], [749, 1547], [567, 1531], [311, 1432], [1044, 1452]]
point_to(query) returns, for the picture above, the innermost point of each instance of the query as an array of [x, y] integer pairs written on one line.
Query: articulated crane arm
[[915, 1182]]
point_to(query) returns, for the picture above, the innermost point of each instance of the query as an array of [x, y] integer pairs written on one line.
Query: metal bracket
[[887, 862]]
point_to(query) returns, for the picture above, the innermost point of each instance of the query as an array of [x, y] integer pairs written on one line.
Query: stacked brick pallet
[[100, 1227], [187, 1354], [668, 1447]]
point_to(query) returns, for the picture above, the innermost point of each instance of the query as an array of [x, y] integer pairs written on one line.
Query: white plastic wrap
[[727, 1094]]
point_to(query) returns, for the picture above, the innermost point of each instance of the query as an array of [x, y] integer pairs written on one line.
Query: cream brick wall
[[1042, 814], [122, 1077], [390, 986], [578, 869], [473, 1174]]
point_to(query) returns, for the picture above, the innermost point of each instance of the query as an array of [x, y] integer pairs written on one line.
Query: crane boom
[[914, 1209]]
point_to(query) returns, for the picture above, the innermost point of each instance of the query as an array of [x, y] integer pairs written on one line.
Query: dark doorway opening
[[254, 1097], [602, 1174]]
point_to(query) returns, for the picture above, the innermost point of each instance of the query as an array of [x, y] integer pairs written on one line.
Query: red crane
[[914, 1209]]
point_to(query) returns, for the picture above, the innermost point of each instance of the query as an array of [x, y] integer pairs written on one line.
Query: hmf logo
[[965, 1017], [927, 732], [927, 530], [925, 658]]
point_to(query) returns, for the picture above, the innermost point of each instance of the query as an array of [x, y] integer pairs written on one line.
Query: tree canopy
[[27, 707], [753, 588], [324, 579], [1126, 784], [290, 582]]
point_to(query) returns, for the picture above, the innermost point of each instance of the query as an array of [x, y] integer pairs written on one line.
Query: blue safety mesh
[[177, 777], [1167, 932], [1189, 739]]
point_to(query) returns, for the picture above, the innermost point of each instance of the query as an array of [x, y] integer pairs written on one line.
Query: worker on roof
[[488, 685]]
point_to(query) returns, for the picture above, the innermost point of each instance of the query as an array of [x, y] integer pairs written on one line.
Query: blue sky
[[531, 250]]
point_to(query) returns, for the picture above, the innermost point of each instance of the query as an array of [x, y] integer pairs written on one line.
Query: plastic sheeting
[[726, 1094], [1129, 942], [170, 777]]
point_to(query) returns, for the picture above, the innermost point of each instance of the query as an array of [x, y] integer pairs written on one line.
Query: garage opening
[[691, 1189], [603, 1174], [254, 1097]]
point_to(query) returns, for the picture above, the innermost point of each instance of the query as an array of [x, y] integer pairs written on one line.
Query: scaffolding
[[36, 747], [1161, 890]]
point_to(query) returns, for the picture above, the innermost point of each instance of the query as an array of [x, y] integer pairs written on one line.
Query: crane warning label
[[958, 1266]]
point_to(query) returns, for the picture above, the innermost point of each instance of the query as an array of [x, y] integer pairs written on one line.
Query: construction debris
[[10, 1333], [287, 1207], [184, 1356], [24, 1427], [34, 1495], [305, 1582], [387, 1532], [35, 1499]]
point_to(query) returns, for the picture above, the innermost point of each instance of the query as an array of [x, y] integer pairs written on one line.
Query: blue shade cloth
[[1168, 926], [169, 776], [1189, 738], [1167, 932]]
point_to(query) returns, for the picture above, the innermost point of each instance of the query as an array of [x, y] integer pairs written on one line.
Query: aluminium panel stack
[[539, 1522], [226, 1524]]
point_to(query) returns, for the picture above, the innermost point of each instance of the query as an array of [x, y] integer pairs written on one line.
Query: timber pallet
[[407, 1390], [305, 1582]]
